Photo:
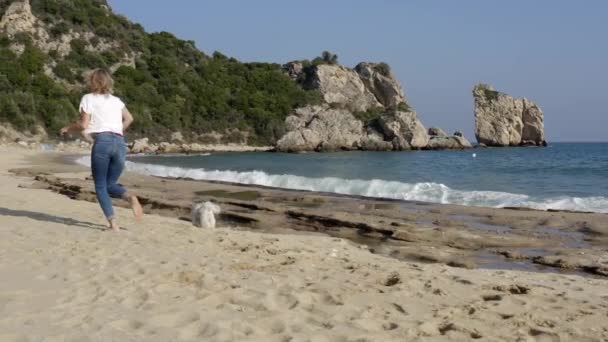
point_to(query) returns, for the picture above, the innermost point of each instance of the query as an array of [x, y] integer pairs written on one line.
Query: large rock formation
[[534, 123], [371, 89], [439, 140], [501, 120], [448, 143], [400, 127], [342, 87], [438, 132], [320, 128], [379, 79]]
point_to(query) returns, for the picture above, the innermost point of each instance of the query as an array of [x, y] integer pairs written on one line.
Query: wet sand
[[388, 271], [459, 236]]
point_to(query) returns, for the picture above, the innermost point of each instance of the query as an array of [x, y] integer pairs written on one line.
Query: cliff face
[[501, 120], [342, 87], [54, 35], [364, 109], [381, 82]]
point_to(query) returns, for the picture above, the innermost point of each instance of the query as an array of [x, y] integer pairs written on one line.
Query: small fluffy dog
[[203, 214]]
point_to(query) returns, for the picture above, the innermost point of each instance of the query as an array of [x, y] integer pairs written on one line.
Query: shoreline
[[457, 235], [335, 194], [309, 188], [163, 279]]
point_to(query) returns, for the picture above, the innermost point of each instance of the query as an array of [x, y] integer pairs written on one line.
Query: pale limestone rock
[[342, 87], [195, 148], [374, 141], [165, 147], [501, 120], [320, 128], [533, 120], [177, 137], [17, 48], [400, 144], [437, 132], [448, 143], [407, 126], [143, 146], [18, 18], [294, 70], [381, 83]]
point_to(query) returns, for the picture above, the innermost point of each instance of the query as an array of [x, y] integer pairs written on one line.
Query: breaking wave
[[425, 192]]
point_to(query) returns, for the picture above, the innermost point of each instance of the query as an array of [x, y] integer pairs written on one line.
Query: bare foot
[[138, 211], [114, 227]]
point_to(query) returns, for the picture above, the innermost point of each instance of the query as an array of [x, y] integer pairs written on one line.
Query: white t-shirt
[[105, 111]]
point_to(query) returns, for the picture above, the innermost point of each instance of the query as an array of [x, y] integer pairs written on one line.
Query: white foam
[[425, 192]]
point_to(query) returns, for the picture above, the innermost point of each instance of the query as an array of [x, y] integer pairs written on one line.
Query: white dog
[[203, 214]]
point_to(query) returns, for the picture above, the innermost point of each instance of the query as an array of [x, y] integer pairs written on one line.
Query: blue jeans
[[107, 163]]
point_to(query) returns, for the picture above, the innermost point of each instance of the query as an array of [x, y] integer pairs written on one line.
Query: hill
[[47, 46]]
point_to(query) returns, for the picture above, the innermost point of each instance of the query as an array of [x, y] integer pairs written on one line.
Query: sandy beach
[[65, 279]]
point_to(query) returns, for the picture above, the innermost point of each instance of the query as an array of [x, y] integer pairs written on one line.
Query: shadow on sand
[[50, 218]]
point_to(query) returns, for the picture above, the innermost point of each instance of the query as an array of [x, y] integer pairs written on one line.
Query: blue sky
[[554, 52]]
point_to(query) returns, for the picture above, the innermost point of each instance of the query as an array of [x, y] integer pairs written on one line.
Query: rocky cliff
[[364, 108], [501, 120], [19, 20]]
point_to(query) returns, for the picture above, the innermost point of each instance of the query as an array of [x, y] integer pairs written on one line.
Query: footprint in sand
[[281, 299], [491, 297], [127, 325], [543, 336], [174, 320]]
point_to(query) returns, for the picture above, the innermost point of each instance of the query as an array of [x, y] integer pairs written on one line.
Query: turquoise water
[[570, 176]]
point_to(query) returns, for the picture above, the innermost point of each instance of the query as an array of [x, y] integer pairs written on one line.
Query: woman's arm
[[80, 125], [127, 119]]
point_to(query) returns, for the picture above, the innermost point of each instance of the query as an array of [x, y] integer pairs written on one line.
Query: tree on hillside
[[326, 58], [329, 58]]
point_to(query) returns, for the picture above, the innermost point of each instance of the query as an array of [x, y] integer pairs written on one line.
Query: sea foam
[[425, 192]]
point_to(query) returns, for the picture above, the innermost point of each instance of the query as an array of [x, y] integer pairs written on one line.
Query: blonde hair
[[101, 82]]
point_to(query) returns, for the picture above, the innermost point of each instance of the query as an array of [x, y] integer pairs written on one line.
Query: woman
[[105, 117]]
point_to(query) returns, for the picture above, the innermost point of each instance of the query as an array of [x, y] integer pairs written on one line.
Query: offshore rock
[[501, 120]]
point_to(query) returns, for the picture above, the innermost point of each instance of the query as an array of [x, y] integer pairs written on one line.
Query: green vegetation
[[28, 96], [326, 58], [404, 107], [491, 95], [369, 116], [172, 86], [488, 91], [383, 68]]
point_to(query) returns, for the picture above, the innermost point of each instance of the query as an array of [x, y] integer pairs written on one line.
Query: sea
[[562, 176]]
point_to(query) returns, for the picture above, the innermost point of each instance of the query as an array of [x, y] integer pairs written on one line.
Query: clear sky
[[554, 52]]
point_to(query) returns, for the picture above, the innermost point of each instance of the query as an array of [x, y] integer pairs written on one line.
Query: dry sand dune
[[64, 279]]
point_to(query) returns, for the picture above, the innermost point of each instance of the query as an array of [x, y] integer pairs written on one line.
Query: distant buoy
[[474, 155]]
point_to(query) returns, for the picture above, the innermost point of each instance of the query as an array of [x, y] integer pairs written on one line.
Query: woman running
[[105, 117]]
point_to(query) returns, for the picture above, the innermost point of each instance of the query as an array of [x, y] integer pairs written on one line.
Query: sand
[[65, 279]]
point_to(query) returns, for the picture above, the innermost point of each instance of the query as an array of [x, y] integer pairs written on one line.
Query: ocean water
[[566, 176]]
